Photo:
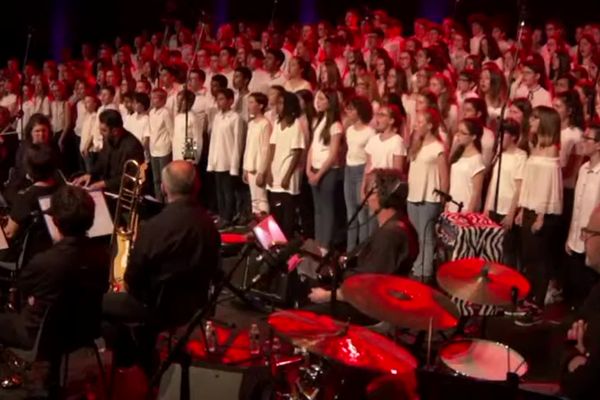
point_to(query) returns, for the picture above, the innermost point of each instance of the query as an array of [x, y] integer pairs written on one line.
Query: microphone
[[448, 198]]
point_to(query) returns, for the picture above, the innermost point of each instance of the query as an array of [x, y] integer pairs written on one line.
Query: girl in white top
[[359, 114], [41, 102], [569, 108], [510, 174], [60, 112], [386, 149], [466, 171], [492, 88], [442, 88], [541, 201], [476, 108], [428, 171], [323, 162], [255, 154], [296, 70], [195, 127]]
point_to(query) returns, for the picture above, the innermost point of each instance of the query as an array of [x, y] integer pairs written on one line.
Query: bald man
[[581, 377], [175, 257]]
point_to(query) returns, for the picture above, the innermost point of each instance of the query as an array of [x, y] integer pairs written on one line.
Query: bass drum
[[482, 359]]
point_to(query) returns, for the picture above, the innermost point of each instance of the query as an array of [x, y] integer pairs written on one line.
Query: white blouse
[[513, 167], [257, 145], [319, 150], [542, 187], [382, 152], [462, 173], [357, 141], [424, 174]]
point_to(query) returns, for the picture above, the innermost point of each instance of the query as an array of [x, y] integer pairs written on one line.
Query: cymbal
[[482, 282], [400, 301], [350, 345]]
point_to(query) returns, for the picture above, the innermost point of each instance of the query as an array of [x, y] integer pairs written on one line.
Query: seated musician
[[118, 147], [38, 131], [390, 249], [582, 369], [40, 168], [73, 262], [175, 258]]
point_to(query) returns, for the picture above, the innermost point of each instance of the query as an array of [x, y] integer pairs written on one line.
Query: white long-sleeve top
[[226, 143], [160, 132], [196, 126], [542, 187], [257, 145]]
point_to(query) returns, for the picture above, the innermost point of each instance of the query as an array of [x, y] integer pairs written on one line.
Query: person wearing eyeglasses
[[580, 278], [579, 379]]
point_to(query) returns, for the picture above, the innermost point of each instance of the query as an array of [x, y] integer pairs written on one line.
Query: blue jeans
[[423, 217], [158, 163], [359, 231], [324, 196]]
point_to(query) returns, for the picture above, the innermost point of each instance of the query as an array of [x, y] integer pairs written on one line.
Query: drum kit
[[332, 359]]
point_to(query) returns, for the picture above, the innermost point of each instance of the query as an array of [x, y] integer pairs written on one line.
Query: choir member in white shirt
[[60, 113], [138, 122], [475, 107], [226, 60], [466, 88], [387, 149], [296, 73], [260, 78], [359, 114], [204, 100], [534, 76], [510, 174], [225, 155], [158, 137], [493, 89], [256, 152], [218, 83], [428, 171], [241, 79], [323, 164], [541, 202], [477, 22], [580, 278], [274, 59], [41, 102], [168, 81], [28, 109], [284, 173], [126, 106], [79, 107], [442, 88], [467, 168], [195, 127], [89, 145]]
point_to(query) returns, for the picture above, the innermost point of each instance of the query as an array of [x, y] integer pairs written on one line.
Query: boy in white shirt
[[533, 74], [90, 144], [137, 123], [196, 125], [168, 80], [225, 155], [587, 197], [158, 136], [241, 79]]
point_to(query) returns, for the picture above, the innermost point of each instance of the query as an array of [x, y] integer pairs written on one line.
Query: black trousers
[[225, 185], [14, 333], [306, 209], [539, 261], [283, 209], [510, 247], [580, 279]]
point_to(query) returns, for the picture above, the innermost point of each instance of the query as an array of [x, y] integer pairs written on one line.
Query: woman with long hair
[[323, 164], [359, 114], [475, 108], [306, 208], [492, 88], [329, 76], [442, 88], [541, 205], [560, 65], [406, 63], [428, 171], [296, 76], [383, 64], [467, 167], [520, 111]]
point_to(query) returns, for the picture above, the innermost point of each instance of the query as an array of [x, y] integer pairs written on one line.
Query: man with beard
[[119, 147]]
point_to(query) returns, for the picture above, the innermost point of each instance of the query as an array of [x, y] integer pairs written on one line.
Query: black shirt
[[181, 244], [113, 156], [386, 251], [74, 264]]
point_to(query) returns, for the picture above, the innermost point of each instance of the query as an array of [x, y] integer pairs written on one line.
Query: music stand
[[269, 234], [103, 224]]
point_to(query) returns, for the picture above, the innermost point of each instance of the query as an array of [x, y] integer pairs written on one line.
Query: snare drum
[[482, 359]]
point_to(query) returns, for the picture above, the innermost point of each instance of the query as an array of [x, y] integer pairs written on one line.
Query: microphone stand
[[499, 133]]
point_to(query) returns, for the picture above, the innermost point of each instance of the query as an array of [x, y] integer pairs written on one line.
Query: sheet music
[[103, 224], [268, 233]]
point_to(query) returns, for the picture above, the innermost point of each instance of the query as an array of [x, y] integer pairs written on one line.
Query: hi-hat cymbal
[[482, 282], [400, 301], [351, 345]]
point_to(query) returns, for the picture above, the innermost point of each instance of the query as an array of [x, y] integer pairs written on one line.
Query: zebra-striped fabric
[[467, 235]]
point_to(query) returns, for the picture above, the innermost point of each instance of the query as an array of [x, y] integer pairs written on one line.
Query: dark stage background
[[67, 23]]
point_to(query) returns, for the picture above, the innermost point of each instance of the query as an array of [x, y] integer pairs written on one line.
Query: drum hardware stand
[[178, 350]]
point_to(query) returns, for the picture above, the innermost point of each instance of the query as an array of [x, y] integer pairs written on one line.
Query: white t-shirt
[[160, 132], [58, 111], [424, 174], [260, 81], [257, 145], [537, 97], [513, 166], [357, 141], [81, 114], [382, 152], [194, 131], [240, 105], [569, 137], [286, 141], [587, 198], [542, 188], [462, 173], [90, 135], [304, 85], [226, 143], [137, 125], [319, 150]]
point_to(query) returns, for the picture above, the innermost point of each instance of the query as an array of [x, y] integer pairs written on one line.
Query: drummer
[[580, 376], [391, 249]]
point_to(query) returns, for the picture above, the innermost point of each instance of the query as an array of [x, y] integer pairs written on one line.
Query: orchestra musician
[[119, 145], [391, 249], [73, 264], [174, 260]]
